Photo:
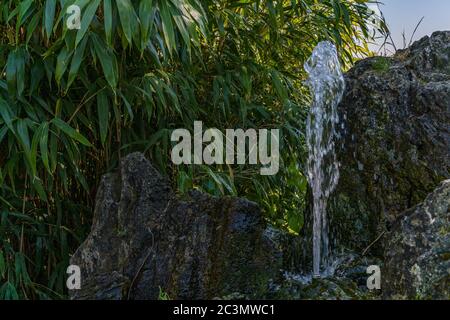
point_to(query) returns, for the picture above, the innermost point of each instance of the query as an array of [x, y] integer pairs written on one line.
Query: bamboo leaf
[[6, 114], [34, 147], [50, 9], [71, 132], [86, 20], [107, 11], [11, 73], [77, 59], [62, 64], [37, 185], [146, 15], [179, 21], [24, 140], [20, 70], [31, 28], [167, 26], [128, 18], [23, 9], [43, 146], [108, 61]]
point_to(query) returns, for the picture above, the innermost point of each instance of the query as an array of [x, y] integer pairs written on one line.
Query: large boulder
[[417, 259], [394, 141], [145, 240]]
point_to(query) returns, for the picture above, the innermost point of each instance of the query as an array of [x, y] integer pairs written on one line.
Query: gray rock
[[394, 147], [145, 240], [417, 259]]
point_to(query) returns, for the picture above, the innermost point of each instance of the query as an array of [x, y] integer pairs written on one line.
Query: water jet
[[327, 85]]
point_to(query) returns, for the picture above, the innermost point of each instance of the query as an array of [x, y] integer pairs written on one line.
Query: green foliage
[[163, 295], [72, 102], [381, 64]]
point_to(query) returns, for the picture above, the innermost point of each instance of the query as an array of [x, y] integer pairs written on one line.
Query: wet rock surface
[[145, 240], [348, 282]]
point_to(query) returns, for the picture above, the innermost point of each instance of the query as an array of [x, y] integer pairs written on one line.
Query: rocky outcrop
[[394, 140], [417, 259], [145, 240], [394, 151]]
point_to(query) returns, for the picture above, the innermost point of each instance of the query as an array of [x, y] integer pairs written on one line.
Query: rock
[[334, 289], [330, 288], [394, 140], [417, 259], [145, 240]]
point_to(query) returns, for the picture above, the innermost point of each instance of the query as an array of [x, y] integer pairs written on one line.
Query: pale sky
[[403, 15]]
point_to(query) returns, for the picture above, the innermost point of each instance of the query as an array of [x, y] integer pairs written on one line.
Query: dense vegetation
[[72, 102]]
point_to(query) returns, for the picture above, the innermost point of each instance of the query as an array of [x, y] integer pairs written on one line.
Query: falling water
[[327, 86]]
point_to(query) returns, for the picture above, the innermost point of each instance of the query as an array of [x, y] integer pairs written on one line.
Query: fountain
[[327, 85]]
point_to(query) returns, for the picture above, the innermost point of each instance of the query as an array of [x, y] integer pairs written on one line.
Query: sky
[[404, 15]]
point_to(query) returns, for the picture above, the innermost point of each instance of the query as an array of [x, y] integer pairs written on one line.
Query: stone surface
[[394, 138], [145, 241], [417, 259]]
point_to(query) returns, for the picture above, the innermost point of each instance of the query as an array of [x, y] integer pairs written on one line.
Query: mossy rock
[[394, 139], [417, 254]]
